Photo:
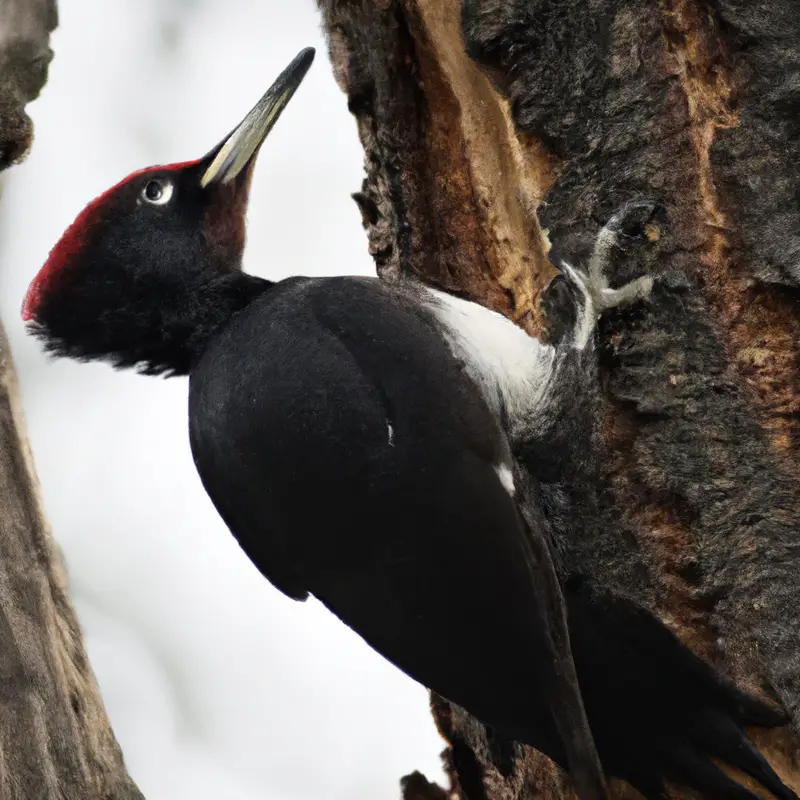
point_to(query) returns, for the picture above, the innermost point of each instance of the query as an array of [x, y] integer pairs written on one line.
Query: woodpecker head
[[153, 264]]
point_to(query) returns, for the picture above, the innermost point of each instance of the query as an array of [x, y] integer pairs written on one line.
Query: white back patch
[[506, 477], [511, 368]]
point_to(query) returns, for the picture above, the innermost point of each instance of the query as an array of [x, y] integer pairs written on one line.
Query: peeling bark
[[502, 129], [55, 738]]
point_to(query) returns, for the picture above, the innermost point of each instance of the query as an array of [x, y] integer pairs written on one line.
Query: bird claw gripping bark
[[630, 220], [659, 712], [625, 228]]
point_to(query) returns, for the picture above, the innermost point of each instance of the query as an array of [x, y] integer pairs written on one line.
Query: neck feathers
[[161, 330]]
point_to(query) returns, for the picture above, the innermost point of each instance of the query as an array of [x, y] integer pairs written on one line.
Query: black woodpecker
[[359, 440]]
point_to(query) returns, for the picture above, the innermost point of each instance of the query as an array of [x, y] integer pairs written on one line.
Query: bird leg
[[626, 227], [554, 438]]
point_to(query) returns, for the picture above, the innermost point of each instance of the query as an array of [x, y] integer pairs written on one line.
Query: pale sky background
[[217, 685]]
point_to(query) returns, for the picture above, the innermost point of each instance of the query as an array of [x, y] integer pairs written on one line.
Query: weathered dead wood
[[55, 738], [563, 110], [25, 55]]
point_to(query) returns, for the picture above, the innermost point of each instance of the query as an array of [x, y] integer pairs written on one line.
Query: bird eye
[[157, 193]]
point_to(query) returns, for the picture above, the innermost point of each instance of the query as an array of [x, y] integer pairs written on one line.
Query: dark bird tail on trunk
[[657, 711]]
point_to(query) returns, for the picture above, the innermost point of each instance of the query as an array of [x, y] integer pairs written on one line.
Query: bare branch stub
[[685, 101]]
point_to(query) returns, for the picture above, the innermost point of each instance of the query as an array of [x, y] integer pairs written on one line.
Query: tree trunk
[[563, 110], [55, 738]]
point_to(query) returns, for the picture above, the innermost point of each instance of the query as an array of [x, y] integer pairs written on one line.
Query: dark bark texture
[[499, 133], [56, 742]]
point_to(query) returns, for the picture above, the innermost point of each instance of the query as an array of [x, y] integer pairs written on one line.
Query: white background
[[217, 685]]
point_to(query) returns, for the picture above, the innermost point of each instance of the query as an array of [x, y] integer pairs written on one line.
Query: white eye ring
[[157, 192]]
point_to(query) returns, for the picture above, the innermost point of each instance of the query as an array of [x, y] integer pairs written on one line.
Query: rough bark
[[495, 130], [25, 55], [55, 738]]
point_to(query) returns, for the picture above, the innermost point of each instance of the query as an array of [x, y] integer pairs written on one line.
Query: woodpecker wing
[[354, 460]]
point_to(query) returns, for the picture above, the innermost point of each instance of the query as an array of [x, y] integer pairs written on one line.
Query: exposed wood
[[55, 738], [563, 110]]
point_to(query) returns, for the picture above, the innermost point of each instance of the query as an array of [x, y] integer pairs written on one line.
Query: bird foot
[[625, 228]]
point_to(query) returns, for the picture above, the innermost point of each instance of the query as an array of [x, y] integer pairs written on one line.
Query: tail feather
[[657, 711], [693, 769], [723, 738]]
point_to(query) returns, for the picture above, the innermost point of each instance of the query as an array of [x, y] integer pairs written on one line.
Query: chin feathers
[[145, 364]]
